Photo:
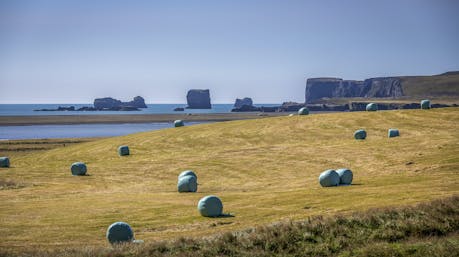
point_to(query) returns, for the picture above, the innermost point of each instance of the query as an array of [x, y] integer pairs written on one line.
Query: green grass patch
[[264, 171]]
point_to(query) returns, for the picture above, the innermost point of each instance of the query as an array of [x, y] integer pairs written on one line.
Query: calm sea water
[[82, 130], [28, 109], [91, 130]]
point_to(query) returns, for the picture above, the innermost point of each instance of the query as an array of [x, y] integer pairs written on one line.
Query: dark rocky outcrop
[[179, 109], [60, 108], [110, 103], [106, 104], [290, 107], [247, 108], [293, 107], [198, 99], [87, 108], [245, 101], [317, 88]]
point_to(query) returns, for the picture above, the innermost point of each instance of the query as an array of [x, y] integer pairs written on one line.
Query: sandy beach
[[139, 118]]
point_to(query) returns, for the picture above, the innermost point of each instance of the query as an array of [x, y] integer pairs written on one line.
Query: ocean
[[28, 109], [92, 130], [80, 130]]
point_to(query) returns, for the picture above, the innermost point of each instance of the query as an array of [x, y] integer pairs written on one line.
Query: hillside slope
[[442, 85], [264, 170]]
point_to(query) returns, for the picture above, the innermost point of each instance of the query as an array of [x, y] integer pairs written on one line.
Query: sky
[[75, 51]]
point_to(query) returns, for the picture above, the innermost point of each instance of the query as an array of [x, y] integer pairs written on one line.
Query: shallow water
[[81, 130], [28, 109]]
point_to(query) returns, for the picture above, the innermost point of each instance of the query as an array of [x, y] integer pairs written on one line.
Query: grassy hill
[[264, 170], [444, 85]]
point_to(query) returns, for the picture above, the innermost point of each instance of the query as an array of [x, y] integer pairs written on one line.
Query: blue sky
[[75, 51]]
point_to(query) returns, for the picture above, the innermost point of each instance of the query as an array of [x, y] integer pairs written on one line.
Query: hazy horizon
[[76, 51]]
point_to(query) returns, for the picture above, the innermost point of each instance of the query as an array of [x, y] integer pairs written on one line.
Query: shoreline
[[126, 118]]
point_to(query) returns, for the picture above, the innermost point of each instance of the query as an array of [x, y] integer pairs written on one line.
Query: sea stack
[[198, 99]]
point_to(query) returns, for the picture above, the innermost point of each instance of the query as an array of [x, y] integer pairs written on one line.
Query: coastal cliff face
[[317, 88], [110, 103], [198, 99]]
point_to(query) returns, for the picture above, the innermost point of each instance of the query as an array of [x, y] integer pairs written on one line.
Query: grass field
[[264, 170]]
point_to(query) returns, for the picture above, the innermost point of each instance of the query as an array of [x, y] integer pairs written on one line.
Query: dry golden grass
[[264, 170]]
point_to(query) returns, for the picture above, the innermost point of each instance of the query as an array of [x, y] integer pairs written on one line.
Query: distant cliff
[[317, 88], [198, 99]]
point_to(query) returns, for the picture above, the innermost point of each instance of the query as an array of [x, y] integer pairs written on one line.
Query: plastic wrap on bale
[[119, 232], [210, 206], [329, 178], [78, 169]]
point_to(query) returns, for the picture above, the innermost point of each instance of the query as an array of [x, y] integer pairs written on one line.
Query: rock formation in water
[[244, 101], [114, 104], [198, 99], [317, 88]]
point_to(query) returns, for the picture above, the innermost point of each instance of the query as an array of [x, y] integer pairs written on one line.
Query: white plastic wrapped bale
[[360, 134], [345, 176], [371, 107], [329, 178], [210, 206], [425, 104], [4, 162], [119, 232], [179, 123], [123, 150], [187, 173], [393, 133], [303, 111], [78, 169], [187, 184]]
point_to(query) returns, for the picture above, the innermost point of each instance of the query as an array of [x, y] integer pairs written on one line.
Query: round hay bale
[[4, 162], [187, 184], [291, 115], [425, 104], [119, 232], [210, 206], [187, 173], [345, 176], [393, 133], [371, 107], [123, 150], [360, 134], [78, 169], [179, 123], [303, 111], [329, 178]]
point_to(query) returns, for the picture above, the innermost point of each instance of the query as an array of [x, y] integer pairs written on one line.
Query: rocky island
[[106, 104], [198, 99]]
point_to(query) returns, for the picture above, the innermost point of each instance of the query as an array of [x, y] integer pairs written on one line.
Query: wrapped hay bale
[[291, 115], [187, 184], [303, 111], [345, 176], [119, 232], [371, 107], [4, 162], [360, 134], [393, 133], [78, 169], [123, 150], [329, 178], [179, 123], [210, 206], [425, 104], [187, 173]]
